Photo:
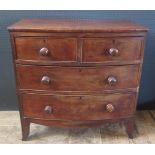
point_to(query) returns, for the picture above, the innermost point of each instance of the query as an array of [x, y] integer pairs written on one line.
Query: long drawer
[[78, 107], [77, 78]]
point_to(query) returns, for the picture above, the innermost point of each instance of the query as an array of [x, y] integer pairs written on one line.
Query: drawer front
[[111, 49], [84, 107], [49, 49], [77, 78]]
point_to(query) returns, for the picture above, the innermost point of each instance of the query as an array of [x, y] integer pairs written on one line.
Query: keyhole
[[113, 41], [44, 41], [80, 97], [80, 70]]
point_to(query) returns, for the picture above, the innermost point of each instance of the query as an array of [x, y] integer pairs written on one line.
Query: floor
[[10, 132]]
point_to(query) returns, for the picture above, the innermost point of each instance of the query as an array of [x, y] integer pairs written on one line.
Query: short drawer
[[85, 107], [111, 49], [53, 78], [48, 49]]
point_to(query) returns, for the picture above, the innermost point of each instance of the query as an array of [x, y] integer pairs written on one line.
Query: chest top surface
[[76, 25]]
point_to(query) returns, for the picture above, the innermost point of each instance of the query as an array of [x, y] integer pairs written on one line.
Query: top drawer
[[48, 49], [111, 49]]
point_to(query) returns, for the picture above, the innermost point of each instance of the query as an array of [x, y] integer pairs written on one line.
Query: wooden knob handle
[[110, 108], [113, 51], [43, 51], [48, 109], [45, 80], [112, 80]]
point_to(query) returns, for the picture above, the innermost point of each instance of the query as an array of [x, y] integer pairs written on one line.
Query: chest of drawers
[[77, 73]]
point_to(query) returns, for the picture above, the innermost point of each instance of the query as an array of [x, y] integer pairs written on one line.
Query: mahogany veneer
[[77, 73]]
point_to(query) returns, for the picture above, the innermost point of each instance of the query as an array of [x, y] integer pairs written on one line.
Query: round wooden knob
[[48, 109], [110, 108], [113, 51], [112, 80], [43, 51], [45, 80]]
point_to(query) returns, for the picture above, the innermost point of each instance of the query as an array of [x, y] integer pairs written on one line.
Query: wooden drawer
[[49, 49], [112, 49], [86, 107], [77, 78]]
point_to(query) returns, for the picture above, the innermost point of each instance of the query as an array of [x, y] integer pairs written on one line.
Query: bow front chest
[[77, 73]]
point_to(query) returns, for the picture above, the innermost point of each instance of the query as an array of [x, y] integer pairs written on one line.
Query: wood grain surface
[[98, 61], [68, 25], [77, 78], [83, 107]]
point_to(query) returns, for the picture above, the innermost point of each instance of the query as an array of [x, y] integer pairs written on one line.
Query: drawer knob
[[43, 51], [113, 51], [110, 108], [48, 109], [112, 80], [45, 80]]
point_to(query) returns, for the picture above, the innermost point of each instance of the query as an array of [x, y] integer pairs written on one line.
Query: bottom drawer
[[78, 107]]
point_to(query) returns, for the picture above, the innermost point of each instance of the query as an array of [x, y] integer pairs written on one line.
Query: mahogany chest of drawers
[[77, 73]]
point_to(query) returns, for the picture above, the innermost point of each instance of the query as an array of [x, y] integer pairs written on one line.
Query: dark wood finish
[[78, 34], [111, 49], [84, 107], [78, 124], [68, 25], [25, 128], [71, 64], [77, 73], [130, 127], [77, 78], [56, 49]]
